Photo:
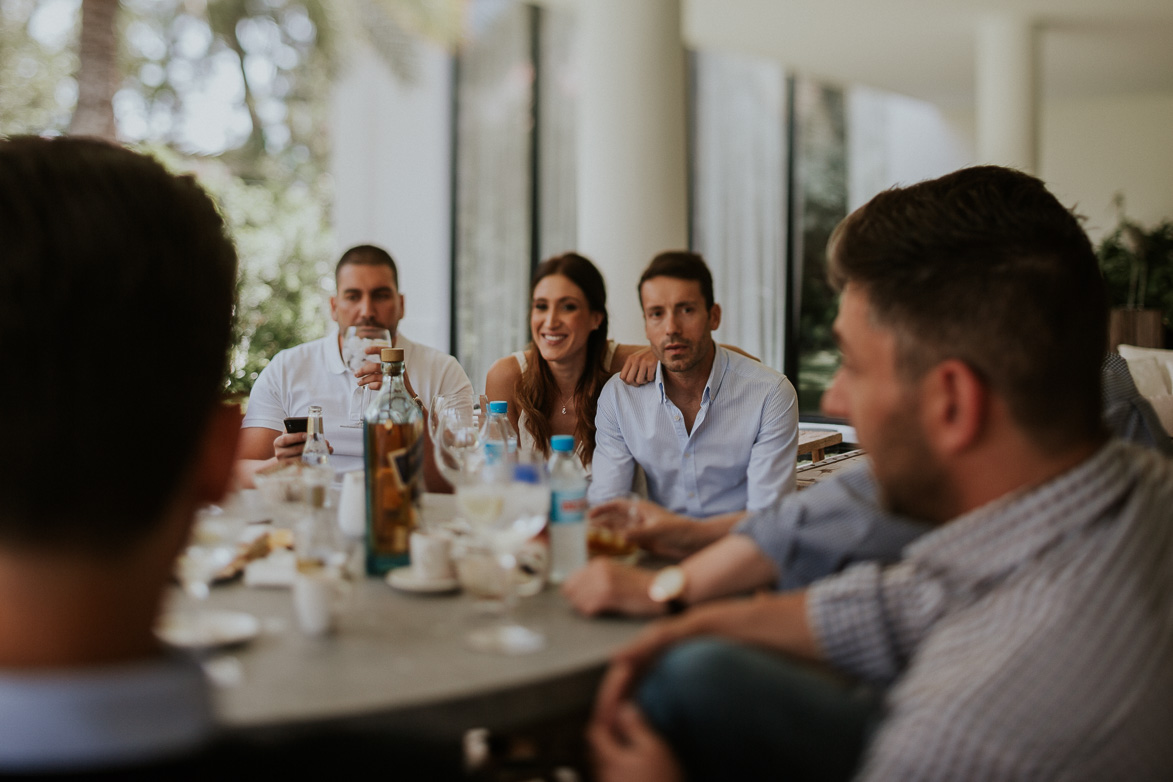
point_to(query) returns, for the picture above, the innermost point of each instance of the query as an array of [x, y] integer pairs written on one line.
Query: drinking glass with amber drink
[[607, 532]]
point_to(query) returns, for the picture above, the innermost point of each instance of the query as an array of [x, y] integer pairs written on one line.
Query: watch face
[[667, 585]]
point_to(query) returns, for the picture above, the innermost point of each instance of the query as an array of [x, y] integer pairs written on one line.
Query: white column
[[391, 166], [632, 158], [1007, 92]]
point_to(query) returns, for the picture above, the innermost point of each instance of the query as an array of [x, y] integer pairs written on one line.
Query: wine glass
[[357, 339], [506, 514], [215, 538], [457, 444], [214, 543], [436, 409], [354, 344]]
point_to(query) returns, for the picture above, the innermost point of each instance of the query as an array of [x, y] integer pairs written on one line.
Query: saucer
[[210, 629], [404, 578]]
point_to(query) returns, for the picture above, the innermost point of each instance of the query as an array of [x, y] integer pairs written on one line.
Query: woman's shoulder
[[507, 368]]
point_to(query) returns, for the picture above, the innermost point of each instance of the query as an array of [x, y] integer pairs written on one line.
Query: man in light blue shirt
[[716, 433]]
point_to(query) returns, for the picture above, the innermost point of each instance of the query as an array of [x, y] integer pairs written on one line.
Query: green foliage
[[263, 68], [37, 90], [282, 236], [268, 177], [823, 162], [822, 141], [1138, 267]]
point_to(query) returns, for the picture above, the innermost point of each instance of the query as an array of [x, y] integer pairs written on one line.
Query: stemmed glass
[[356, 341], [436, 409], [354, 352], [215, 542], [215, 539], [505, 514], [457, 443]]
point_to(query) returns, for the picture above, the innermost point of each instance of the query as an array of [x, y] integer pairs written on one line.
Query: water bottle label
[[493, 452], [567, 506]]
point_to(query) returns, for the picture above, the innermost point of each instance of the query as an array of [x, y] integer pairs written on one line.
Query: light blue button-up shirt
[[740, 454]]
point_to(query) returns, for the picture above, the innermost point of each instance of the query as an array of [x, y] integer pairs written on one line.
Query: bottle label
[[568, 506], [394, 456], [408, 466]]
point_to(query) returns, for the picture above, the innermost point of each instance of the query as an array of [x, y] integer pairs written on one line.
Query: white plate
[[404, 578], [210, 629]]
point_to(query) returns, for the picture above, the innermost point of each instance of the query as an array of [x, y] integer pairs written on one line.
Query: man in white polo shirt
[[314, 373]]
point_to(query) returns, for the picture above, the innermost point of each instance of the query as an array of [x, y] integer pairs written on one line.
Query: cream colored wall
[[390, 166], [1093, 148]]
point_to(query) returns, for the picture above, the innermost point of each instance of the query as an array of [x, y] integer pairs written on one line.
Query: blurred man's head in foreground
[[116, 294]]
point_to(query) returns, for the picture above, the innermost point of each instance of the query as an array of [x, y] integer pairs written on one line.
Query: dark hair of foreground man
[[116, 296], [117, 284]]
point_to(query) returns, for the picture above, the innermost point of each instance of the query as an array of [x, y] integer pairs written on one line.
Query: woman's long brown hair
[[537, 391]]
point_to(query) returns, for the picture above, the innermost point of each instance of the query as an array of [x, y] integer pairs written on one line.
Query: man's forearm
[[731, 566], [675, 536], [703, 533], [776, 621], [718, 526]]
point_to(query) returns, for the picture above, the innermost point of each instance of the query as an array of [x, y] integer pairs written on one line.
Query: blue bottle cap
[[526, 473], [562, 443], [499, 407]]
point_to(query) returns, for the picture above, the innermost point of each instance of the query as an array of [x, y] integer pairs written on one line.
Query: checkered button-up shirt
[[1029, 639]]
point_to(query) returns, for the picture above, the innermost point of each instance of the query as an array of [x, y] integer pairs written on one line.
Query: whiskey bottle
[[393, 452]]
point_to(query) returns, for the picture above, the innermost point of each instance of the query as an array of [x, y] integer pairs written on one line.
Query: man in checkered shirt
[[1030, 635]]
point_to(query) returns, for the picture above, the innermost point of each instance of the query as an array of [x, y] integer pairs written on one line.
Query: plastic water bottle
[[528, 508], [498, 437], [568, 485]]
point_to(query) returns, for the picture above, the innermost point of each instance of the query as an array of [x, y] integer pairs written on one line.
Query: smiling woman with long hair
[[552, 386]]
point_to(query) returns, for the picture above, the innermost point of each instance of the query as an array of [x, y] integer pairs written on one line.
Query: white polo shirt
[[313, 373]]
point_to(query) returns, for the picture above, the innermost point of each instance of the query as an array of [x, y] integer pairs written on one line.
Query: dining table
[[399, 661]]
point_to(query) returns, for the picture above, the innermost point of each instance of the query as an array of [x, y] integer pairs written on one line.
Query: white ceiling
[[925, 48]]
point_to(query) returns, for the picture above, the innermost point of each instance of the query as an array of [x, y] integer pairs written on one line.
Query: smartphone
[[297, 424]]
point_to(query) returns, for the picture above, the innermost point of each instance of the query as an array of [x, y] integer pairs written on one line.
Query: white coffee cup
[[317, 593], [431, 556], [352, 505]]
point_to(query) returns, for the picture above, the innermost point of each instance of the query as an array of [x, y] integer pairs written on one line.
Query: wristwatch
[[668, 588]]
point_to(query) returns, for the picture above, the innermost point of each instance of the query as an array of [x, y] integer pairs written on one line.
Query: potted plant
[[1138, 268]]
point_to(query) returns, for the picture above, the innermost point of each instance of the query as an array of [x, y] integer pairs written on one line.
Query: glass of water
[[356, 341], [506, 513]]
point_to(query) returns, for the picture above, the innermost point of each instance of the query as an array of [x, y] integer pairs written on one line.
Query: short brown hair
[[368, 255], [985, 265], [680, 265]]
